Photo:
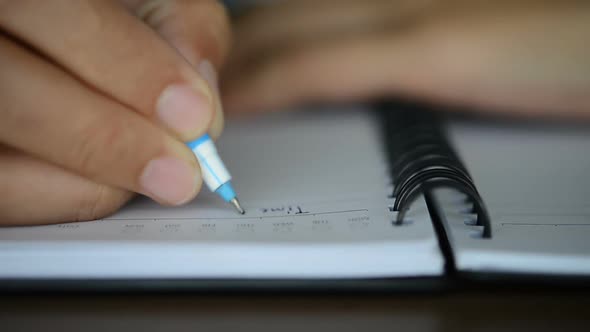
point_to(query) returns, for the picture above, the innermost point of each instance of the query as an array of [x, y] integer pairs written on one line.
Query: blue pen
[[215, 174]]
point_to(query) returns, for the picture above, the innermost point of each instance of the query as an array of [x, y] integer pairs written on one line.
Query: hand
[[513, 57], [97, 99]]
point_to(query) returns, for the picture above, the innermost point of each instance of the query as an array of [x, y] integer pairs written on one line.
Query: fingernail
[[170, 180], [185, 110], [208, 72]]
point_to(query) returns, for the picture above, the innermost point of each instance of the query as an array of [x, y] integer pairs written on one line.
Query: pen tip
[[237, 205]]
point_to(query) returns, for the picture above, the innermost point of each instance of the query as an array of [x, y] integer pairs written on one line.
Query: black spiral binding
[[422, 159]]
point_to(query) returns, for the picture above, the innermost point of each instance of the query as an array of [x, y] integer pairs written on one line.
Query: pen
[[215, 174]]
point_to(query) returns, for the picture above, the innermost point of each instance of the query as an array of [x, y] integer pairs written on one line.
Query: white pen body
[[214, 171]]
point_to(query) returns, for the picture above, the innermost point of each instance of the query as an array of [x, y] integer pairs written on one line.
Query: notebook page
[[314, 185], [536, 184]]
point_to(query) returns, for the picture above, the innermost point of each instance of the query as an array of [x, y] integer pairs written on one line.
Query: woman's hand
[[519, 57], [97, 98]]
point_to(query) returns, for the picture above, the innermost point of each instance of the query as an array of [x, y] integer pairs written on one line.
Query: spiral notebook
[[340, 195]]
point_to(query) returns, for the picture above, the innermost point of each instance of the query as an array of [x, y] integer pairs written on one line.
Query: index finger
[[118, 55]]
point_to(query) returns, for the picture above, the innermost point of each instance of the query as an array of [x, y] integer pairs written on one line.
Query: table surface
[[507, 310]]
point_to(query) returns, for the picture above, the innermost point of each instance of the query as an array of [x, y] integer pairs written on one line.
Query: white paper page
[[314, 188], [536, 185]]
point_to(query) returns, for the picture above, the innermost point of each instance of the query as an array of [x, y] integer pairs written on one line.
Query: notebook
[[536, 186], [343, 194]]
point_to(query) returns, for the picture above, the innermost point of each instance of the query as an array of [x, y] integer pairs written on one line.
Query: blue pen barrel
[[215, 175], [226, 191]]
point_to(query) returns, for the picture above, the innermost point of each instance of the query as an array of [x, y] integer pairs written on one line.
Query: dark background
[[475, 310]]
